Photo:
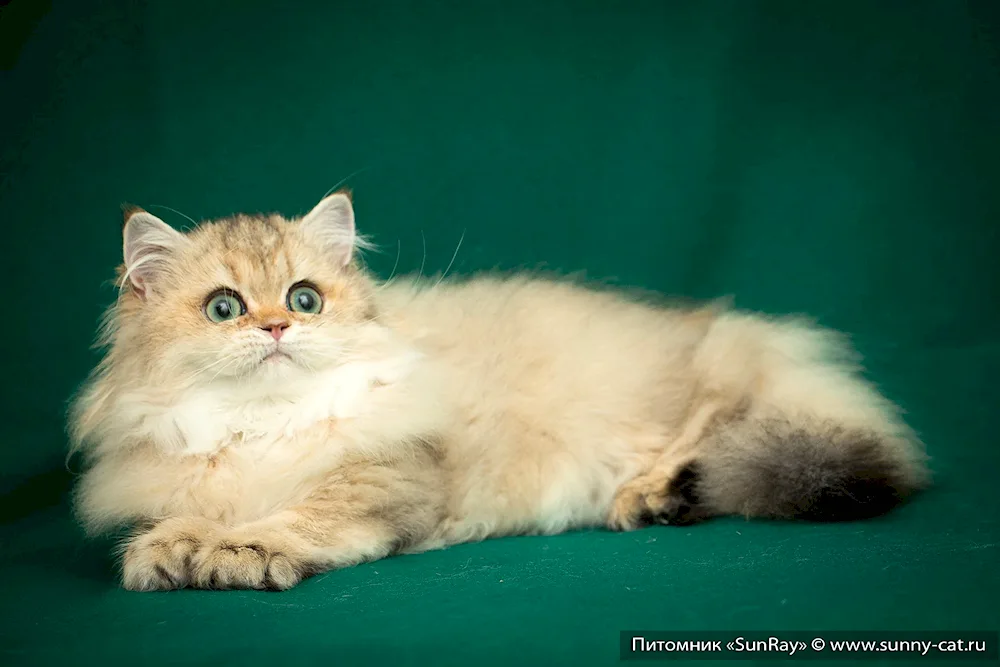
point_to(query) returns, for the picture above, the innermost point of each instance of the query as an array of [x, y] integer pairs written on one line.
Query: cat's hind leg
[[666, 493]]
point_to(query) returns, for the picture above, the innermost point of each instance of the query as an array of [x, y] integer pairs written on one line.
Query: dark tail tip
[[817, 472], [854, 499]]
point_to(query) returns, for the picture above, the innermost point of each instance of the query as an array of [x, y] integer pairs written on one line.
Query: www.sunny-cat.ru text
[[804, 645]]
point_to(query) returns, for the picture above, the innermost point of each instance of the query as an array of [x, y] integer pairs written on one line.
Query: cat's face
[[251, 298]]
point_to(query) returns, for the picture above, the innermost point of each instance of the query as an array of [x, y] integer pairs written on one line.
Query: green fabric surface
[[839, 159]]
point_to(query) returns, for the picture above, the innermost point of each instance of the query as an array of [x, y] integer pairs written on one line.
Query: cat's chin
[[277, 362], [275, 366], [277, 357]]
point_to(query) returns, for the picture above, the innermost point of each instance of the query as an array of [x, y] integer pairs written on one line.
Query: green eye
[[223, 306], [304, 299]]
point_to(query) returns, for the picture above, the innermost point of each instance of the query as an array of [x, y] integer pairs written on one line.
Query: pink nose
[[276, 329]]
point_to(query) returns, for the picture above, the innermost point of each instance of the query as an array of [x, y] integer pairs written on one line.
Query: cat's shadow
[[40, 505], [36, 494]]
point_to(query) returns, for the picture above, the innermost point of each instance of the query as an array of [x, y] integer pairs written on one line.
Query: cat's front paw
[[247, 562], [161, 559]]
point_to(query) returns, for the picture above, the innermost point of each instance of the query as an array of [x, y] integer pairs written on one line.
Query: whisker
[[399, 248], [344, 180], [209, 367], [231, 360], [174, 210], [423, 239], [453, 256]]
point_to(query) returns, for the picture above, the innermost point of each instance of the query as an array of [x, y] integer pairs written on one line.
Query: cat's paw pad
[[232, 564], [681, 505], [161, 559], [657, 498]]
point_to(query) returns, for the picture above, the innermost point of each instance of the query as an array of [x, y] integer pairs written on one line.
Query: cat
[[266, 410]]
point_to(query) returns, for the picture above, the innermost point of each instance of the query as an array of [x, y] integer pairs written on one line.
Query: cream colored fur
[[412, 415]]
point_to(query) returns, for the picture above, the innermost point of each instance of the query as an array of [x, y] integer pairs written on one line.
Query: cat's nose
[[277, 329]]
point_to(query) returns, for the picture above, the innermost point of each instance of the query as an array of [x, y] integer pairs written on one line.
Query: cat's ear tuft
[[330, 225], [128, 210], [148, 245]]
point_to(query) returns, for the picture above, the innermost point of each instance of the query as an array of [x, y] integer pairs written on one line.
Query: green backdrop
[[839, 159]]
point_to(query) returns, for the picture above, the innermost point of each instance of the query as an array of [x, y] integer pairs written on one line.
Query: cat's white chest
[[207, 420]]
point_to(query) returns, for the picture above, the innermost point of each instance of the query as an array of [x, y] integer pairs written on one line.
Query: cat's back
[[495, 308], [522, 331]]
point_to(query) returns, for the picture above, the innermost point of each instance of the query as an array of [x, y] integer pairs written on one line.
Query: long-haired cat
[[266, 410]]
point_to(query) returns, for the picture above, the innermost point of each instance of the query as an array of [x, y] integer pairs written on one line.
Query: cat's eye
[[224, 305], [304, 298]]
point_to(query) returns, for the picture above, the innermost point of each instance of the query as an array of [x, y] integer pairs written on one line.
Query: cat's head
[[253, 298]]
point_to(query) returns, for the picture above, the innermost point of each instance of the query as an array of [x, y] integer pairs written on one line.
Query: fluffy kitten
[[266, 410]]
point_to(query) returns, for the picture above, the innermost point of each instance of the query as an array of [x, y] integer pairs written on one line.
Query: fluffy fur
[[410, 415]]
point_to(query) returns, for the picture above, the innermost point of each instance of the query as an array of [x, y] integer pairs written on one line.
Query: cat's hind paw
[[655, 498]]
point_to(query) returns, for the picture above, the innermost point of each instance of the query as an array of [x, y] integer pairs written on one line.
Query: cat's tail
[[801, 468], [811, 440]]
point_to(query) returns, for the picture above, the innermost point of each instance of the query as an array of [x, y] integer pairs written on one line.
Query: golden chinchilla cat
[[266, 410]]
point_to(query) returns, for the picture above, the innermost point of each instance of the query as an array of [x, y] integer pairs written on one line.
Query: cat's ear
[[148, 245], [330, 225]]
